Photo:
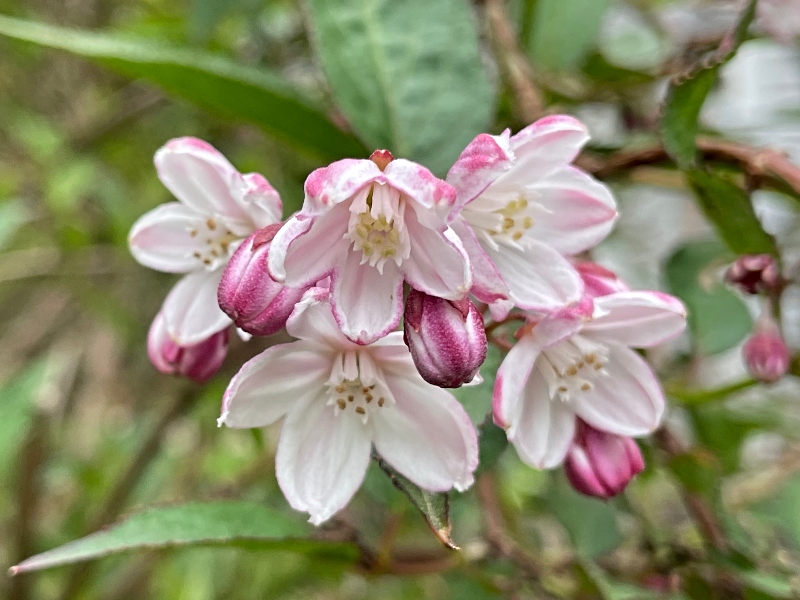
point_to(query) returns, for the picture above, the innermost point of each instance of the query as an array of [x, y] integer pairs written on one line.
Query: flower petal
[[426, 435], [628, 401], [512, 376], [487, 283], [191, 311], [366, 304], [482, 161], [545, 427], [260, 201], [161, 239], [538, 277], [200, 177], [433, 197], [580, 211], [270, 384], [638, 319], [438, 264], [313, 320], [328, 186], [322, 459], [544, 147]]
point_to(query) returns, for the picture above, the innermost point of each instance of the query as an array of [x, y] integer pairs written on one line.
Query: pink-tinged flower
[[257, 304], [340, 399], [370, 225], [765, 353], [602, 464], [781, 19], [446, 338], [217, 208], [599, 281], [578, 362], [754, 274], [199, 361], [522, 208]]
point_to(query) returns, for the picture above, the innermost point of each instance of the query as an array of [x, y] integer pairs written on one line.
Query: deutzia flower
[[521, 206], [339, 399], [217, 208], [370, 225], [578, 362]]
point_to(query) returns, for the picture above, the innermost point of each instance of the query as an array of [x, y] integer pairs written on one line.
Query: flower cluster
[[381, 240]]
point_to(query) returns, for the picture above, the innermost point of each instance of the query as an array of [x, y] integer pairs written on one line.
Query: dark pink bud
[[754, 274], [601, 464], [247, 294], [446, 338], [599, 281], [198, 362], [765, 353]]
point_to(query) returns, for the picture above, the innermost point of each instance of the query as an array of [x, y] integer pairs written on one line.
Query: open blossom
[[578, 362], [217, 208], [521, 207], [370, 225], [339, 399]]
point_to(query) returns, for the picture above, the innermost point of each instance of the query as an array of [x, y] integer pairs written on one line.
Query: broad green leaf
[[223, 523], [729, 208], [767, 585], [210, 81], [408, 75], [718, 319], [434, 506], [564, 32], [688, 91]]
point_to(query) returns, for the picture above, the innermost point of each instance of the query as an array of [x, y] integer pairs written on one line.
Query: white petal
[[544, 147], [639, 319], [628, 401], [270, 384], [538, 277], [487, 283], [426, 436], [191, 310], [312, 319], [161, 239], [511, 379], [438, 264], [260, 201], [321, 459]]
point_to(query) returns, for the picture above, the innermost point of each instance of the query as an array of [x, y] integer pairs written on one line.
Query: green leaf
[[434, 506], [718, 319], [729, 208], [781, 510], [408, 74], [564, 32], [210, 81], [688, 91], [241, 524], [18, 401], [492, 442]]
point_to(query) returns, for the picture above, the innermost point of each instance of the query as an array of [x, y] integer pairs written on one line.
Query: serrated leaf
[[408, 75], [242, 524], [434, 506], [210, 81]]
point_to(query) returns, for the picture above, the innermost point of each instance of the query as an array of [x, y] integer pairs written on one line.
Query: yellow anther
[[381, 400], [517, 236], [360, 410], [527, 222], [342, 404], [573, 370], [387, 252], [586, 387], [508, 223], [350, 398]]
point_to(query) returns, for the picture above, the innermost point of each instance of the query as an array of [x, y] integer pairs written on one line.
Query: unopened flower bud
[[198, 362], [765, 353], [599, 281], [601, 464], [247, 294], [446, 338], [754, 273]]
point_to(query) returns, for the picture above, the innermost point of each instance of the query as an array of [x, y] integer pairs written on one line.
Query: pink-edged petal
[[433, 197], [544, 428], [366, 304], [328, 186], [260, 201], [191, 311], [306, 250], [426, 435], [580, 211], [200, 177], [544, 147], [638, 319], [161, 239], [626, 401], [564, 322], [438, 264], [269, 385], [482, 161], [487, 283], [313, 320], [511, 379], [321, 459], [538, 277]]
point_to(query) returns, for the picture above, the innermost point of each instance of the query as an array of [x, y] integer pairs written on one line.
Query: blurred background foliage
[[89, 431]]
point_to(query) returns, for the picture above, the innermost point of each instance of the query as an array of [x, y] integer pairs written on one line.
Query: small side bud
[[446, 339], [754, 274], [382, 158], [198, 362], [257, 304], [765, 353], [599, 281], [602, 464]]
